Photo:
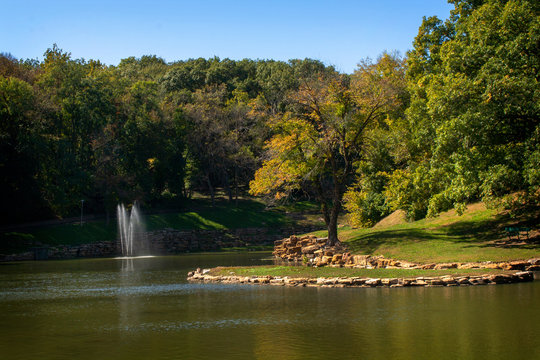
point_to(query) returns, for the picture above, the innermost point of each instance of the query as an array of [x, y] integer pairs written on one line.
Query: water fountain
[[131, 231]]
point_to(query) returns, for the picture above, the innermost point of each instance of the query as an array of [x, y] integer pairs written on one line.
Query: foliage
[[454, 122], [474, 108], [144, 130], [316, 144]]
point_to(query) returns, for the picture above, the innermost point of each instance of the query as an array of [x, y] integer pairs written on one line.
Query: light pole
[[82, 207]]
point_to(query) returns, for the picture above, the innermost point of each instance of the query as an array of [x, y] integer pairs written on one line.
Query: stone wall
[[170, 241], [426, 281], [164, 242]]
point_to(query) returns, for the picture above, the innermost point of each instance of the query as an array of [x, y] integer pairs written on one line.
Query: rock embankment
[[313, 251], [431, 281]]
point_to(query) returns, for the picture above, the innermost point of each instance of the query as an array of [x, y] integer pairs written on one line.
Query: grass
[[200, 215], [223, 215], [477, 235], [328, 272]]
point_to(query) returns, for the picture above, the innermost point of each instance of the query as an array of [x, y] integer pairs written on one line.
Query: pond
[[145, 309]]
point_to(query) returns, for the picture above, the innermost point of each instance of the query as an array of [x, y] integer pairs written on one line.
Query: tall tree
[[474, 110], [316, 144]]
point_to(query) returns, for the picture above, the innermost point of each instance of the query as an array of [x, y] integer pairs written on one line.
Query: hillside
[[477, 235]]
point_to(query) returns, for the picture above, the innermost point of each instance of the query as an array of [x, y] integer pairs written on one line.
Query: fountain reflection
[[127, 264]]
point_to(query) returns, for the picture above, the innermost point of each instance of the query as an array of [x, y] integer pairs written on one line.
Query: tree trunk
[[236, 185], [332, 226], [211, 189], [228, 188]]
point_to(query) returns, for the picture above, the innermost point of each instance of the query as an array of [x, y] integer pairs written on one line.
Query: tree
[[316, 144], [209, 141], [474, 110], [21, 149]]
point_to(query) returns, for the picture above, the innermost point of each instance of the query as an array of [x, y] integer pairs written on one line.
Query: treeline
[[75, 130], [455, 121]]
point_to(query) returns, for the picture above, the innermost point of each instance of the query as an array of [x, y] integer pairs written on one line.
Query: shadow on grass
[[486, 233], [368, 243], [490, 233], [223, 215]]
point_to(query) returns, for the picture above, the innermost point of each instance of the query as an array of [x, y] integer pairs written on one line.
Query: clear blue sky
[[339, 32]]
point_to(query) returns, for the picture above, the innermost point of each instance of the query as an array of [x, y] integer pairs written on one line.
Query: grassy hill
[[477, 235], [198, 214]]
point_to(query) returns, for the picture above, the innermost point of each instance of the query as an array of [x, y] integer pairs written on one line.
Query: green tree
[[474, 109], [316, 145]]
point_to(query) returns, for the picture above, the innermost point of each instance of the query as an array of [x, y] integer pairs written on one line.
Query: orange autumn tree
[[317, 143]]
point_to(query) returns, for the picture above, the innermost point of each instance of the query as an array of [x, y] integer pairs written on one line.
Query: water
[[131, 231], [145, 309]]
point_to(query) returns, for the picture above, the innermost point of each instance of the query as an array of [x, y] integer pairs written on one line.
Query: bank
[[309, 277]]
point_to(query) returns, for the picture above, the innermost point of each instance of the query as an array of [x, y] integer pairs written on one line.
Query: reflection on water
[[127, 265], [145, 309]]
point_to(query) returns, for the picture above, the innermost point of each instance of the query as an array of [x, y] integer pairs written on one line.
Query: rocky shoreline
[[313, 251], [363, 282]]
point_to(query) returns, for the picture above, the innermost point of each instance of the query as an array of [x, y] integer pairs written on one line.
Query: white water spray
[[131, 230]]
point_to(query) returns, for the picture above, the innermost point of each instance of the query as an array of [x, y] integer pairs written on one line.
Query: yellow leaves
[[282, 143], [277, 177], [151, 163]]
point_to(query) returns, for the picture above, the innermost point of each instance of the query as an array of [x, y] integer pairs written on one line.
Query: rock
[[524, 275], [360, 259], [468, 266], [435, 282], [515, 265], [492, 266], [373, 282], [325, 260], [358, 281], [389, 281], [345, 281], [382, 262], [449, 280], [310, 249], [445, 266]]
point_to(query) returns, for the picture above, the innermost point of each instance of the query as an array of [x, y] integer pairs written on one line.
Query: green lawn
[[477, 235], [310, 272], [222, 216]]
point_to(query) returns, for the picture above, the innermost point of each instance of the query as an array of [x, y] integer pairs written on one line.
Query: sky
[[338, 32]]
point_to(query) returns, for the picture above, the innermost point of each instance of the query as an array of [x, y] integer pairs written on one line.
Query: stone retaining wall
[[313, 251], [447, 280], [164, 242]]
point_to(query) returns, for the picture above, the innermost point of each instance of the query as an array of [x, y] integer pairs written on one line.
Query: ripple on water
[[62, 292]]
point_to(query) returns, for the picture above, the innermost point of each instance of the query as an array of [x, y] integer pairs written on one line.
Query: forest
[[455, 120]]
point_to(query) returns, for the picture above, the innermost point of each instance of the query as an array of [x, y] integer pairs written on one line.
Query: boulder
[[373, 282], [445, 266], [310, 249]]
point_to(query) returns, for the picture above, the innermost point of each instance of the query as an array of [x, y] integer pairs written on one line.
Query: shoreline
[[364, 282]]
